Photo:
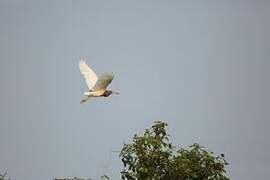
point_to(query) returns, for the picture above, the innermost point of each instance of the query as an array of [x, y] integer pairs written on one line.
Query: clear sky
[[202, 66]]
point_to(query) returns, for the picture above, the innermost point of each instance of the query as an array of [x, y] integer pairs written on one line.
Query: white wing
[[103, 81], [89, 75]]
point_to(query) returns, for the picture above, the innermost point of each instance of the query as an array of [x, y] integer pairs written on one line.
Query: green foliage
[[153, 157], [105, 177], [3, 176]]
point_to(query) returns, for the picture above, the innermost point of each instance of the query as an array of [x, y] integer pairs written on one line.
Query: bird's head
[[110, 92]]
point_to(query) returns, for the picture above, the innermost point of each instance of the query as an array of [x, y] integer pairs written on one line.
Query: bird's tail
[[85, 98]]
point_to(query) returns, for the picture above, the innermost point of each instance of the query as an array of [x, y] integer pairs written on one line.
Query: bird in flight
[[97, 85]]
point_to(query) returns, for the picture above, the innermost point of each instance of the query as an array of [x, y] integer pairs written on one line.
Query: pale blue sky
[[202, 66]]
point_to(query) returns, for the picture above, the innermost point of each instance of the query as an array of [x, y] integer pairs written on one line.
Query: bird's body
[[95, 93], [97, 85]]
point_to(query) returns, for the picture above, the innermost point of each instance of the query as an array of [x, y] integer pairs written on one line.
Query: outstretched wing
[[89, 75], [103, 81]]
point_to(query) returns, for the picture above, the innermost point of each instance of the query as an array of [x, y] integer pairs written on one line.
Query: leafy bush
[[153, 157], [3, 176]]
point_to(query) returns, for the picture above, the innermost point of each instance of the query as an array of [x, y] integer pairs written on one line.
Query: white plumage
[[97, 85], [89, 75]]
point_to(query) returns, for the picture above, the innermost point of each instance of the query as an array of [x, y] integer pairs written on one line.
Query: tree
[[3, 176], [153, 157]]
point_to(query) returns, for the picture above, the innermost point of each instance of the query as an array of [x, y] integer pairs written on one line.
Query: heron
[[97, 86]]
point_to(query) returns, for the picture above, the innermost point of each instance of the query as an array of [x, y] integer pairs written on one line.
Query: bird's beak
[[116, 93]]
